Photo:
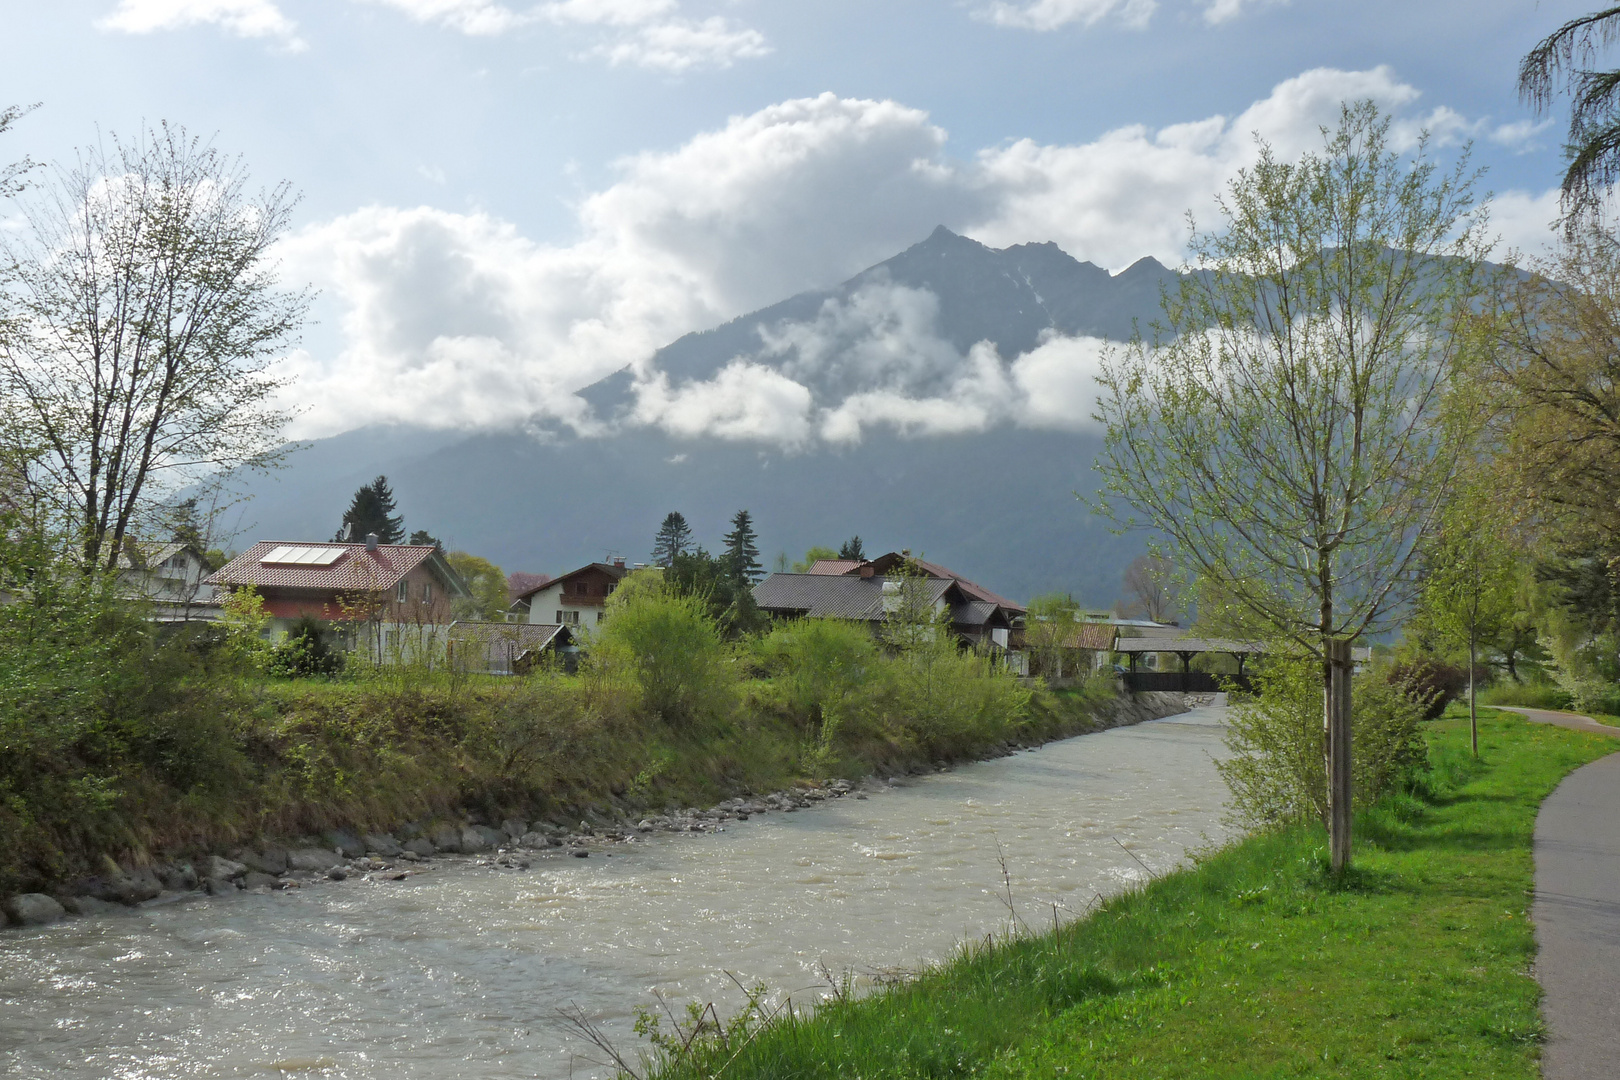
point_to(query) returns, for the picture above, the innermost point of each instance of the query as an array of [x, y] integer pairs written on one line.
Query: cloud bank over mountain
[[455, 319]]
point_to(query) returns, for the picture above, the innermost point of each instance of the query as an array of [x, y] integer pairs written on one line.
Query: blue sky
[[505, 201]]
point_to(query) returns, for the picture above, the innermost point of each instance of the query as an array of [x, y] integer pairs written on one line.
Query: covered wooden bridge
[[1186, 679]]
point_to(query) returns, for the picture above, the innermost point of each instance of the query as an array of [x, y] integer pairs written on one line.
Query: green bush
[[668, 645], [821, 673], [1277, 773], [306, 652]]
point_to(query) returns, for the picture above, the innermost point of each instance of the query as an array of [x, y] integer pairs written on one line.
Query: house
[[1069, 650], [506, 648], [866, 591], [576, 598], [385, 597], [171, 577]]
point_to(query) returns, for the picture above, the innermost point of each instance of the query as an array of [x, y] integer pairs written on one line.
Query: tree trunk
[[1336, 653], [1473, 712]]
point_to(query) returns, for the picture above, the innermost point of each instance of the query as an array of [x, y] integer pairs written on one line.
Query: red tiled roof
[[355, 570]]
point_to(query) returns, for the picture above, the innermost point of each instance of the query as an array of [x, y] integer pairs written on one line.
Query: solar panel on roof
[[302, 555]]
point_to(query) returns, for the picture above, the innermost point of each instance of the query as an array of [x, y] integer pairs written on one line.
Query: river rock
[[272, 860], [476, 838], [312, 859], [218, 886], [178, 878], [89, 905], [420, 846], [514, 828], [533, 840], [344, 842], [337, 873], [383, 844], [253, 879], [33, 909], [446, 838], [216, 867]]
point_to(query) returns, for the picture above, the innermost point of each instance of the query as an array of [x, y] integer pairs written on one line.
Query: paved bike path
[[1577, 913]]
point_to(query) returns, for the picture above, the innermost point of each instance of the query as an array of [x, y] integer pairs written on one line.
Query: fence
[[1190, 682]]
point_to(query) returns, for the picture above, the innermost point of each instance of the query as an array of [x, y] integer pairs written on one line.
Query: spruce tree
[[372, 511], [852, 550], [673, 540], [742, 550]]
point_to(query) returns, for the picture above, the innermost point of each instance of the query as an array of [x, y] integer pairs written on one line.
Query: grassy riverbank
[[253, 760], [1254, 963]]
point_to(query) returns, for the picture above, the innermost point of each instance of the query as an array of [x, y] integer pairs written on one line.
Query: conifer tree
[[372, 511], [742, 549], [852, 550], [673, 540]]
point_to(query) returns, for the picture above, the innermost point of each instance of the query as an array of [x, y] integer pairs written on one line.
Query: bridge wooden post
[[1336, 720]]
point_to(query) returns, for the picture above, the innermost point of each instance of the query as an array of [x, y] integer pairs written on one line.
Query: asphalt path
[[1577, 913]]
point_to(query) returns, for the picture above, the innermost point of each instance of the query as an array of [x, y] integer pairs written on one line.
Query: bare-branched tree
[[143, 317]]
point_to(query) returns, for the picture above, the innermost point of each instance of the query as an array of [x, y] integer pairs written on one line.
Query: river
[[459, 972]]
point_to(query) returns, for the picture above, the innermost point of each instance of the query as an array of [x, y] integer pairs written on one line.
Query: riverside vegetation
[[119, 740], [1255, 961]]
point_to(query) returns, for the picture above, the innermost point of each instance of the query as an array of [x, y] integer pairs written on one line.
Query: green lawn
[[1253, 964]]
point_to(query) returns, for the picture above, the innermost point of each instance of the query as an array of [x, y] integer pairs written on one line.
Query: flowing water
[[460, 972]]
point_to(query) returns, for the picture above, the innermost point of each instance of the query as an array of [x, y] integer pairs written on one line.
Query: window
[[573, 618], [600, 615], [402, 592], [611, 586], [559, 618], [427, 592]]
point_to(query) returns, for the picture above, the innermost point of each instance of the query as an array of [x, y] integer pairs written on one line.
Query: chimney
[[371, 541], [618, 560], [867, 570]]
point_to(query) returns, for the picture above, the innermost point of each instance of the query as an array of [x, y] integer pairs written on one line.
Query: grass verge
[[1254, 963]]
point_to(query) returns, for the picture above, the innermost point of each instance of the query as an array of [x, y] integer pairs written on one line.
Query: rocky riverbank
[[343, 854]]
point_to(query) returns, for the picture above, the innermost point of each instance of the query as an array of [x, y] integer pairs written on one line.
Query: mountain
[[994, 501]]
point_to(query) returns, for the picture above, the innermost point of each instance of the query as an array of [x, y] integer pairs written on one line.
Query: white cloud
[[1520, 135], [607, 12], [456, 319], [1524, 222], [1051, 14], [640, 33], [1044, 15], [677, 45], [745, 401], [1127, 193], [243, 18], [1219, 11], [474, 17]]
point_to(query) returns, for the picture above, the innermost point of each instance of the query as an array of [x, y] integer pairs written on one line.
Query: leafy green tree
[[852, 549], [1470, 584], [669, 645], [485, 582], [821, 669], [1287, 432], [673, 540], [140, 321], [811, 557], [710, 579], [742, 550], [1049, 630], [1562, 60], [372, 510]]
